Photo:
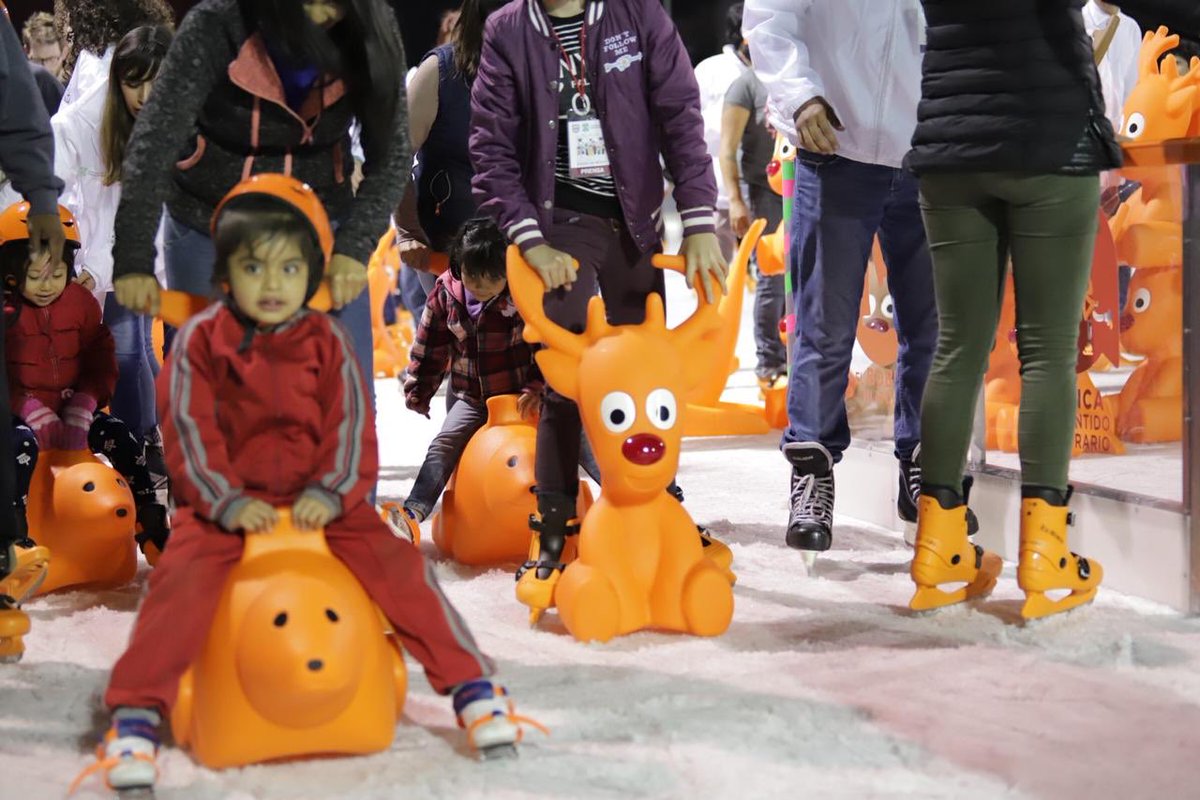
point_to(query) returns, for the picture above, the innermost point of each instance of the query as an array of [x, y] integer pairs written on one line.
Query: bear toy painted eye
[[281, 619], [331, 615]]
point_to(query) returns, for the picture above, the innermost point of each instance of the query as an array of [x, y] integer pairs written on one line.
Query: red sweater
[[58, 350], [283, 415]]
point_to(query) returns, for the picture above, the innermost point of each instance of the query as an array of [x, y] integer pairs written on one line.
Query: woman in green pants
[[1010, 141]]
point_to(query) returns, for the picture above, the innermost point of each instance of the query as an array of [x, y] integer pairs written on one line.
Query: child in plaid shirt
[[471, 328]]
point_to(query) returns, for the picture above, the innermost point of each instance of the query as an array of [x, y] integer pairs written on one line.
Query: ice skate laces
[[812, 499], [106, 762], [508, 713], [912, 477]]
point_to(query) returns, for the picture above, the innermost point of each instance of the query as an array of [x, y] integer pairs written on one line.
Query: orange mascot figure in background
[[486, 507], [1150, 408], [873, 392], [640, 563], [297, 662]]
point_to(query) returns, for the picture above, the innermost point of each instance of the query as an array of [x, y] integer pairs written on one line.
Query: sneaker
[[126, 756], [485, 711], [402, 520], [810, 521]]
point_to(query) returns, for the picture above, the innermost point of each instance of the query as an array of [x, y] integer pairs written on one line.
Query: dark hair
[[733, 26], [468, 37], [479, 250], [136, 60], [254, 219], [363, 49], [96, 24], [14, 263]]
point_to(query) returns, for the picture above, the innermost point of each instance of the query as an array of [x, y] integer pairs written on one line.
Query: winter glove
[[46, 425], [77, 416]]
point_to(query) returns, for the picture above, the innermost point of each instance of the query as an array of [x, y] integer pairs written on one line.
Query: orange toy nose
[[773, 168], [878, 325], [644, 449], [1126, 322]]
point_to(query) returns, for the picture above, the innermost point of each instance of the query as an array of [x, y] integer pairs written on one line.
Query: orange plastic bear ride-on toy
[[1150, 406], [390, 356], [1164, 105], [486, 506], [640, 563], [82, 511], [298, 661], [708, 415]]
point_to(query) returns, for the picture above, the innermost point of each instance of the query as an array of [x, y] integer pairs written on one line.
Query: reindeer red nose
[[773, 168], [1126, 322], [1012, 335], [644, 449], [878, 325]]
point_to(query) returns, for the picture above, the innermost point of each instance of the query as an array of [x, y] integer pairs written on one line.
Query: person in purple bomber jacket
[[574, 105]]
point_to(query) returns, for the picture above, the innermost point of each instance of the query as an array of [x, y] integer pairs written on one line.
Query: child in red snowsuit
[[263, 405], [60, 363]]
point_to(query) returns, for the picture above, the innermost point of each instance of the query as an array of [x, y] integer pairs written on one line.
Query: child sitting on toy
[[470, 328], [62, 368], [264, 406]]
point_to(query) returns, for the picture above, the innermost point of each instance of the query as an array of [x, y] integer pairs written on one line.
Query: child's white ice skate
[[486, 713], [126, 756]]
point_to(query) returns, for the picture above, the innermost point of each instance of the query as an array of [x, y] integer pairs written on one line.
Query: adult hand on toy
[[138, 293], [310, 513], [556, 268], [46, 237], [816, 125], [706, 264], [414, 254], [347, 279], [739, 216], [86, 280], [256, 517]]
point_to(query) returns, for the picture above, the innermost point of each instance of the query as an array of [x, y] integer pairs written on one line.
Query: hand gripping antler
[[528, 292]]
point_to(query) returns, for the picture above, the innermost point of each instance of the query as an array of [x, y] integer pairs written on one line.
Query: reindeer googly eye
[[786, 150], [888, 307], [1141, 301], [660, 408], [618, 411], [1135, 126]]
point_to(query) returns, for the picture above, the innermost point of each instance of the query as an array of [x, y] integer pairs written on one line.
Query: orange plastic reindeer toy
[[640, 562]]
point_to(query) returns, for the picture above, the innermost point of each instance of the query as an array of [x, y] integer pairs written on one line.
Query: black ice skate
[[909, 494], [810, 522]]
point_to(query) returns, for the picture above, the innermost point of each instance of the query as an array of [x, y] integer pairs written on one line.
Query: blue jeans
[[839, 207], [190, 255], [133, 398]]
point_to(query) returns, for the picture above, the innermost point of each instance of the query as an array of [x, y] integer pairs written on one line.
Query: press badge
[[586, 151]]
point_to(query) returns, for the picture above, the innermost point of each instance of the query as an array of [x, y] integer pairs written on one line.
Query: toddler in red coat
[[264, 406], [61, 368]]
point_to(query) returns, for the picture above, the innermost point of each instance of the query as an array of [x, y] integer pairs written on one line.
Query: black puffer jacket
[[1010, 86]]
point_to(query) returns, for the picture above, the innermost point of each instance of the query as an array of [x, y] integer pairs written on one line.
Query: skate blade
[[136, 793], [929, 598], [537, 593], [11, 658], [810, 558], [1039, 606], [499, 752], [910, 534]]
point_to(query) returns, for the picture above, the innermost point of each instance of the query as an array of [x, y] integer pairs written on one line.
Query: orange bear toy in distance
[[298, 661], [1150, 408], [640, 564], [486, 507], [82, 511]]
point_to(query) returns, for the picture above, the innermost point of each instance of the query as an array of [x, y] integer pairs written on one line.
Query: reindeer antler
[[529, 292], [1155, 45]]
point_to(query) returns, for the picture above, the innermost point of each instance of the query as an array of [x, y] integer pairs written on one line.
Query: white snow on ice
[[825, 686]]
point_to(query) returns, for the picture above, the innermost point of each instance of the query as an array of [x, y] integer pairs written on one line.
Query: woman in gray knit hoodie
[[252, 86]]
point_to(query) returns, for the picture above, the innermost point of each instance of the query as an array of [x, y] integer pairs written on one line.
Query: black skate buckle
[[978, 556], [1083, 567], [528, 565], [538, 526]]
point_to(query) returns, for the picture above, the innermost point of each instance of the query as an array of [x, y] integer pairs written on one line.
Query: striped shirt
[[591, 194]]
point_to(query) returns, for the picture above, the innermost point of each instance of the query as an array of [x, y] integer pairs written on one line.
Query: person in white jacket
[[1118, 41], [90, 137], [844, 80], [715, 75]]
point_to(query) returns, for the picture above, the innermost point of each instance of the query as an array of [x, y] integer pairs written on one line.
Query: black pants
[[108, 436]]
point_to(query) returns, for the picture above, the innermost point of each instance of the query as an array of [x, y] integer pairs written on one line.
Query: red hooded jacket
[[56, 351], [280, 414]]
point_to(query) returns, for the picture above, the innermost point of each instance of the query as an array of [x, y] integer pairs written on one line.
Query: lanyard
[[579, 80]]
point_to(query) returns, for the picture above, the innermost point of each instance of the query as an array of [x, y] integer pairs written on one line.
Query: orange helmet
[[297, 194], [14, 224]]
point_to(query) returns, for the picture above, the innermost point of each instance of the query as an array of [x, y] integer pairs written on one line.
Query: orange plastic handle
[[673, 263]]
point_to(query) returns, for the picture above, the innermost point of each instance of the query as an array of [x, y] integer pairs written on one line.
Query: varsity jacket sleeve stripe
[[349, 444], [775, 31], [495, 126], [675, 104], [26, 142], [195, 448]]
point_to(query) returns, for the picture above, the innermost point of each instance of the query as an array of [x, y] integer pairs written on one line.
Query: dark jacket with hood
[[219, 114]]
